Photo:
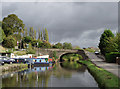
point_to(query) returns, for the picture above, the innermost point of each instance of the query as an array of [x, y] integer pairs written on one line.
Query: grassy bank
[[90, 50], [72, 57], [105, 79], [13, 67]]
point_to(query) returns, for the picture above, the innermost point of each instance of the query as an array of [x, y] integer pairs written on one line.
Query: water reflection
[[35, 77], [73, 66], [56, 75]]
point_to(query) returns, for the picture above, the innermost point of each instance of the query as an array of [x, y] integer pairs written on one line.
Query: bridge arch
[[59, 52], [60, 56]]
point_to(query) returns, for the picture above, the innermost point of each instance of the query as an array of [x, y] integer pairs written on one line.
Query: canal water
[[66, 74]]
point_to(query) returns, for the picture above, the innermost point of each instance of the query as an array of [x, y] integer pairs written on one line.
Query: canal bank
[[57, 75], [105, 79], [12, 67]]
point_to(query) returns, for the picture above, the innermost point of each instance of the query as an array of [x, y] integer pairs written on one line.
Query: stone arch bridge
[[59, 52]]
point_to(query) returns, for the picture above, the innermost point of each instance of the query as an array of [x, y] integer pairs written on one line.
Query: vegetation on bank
[[13, 67], [20, 52], [110, 45], [55, 55], [71, 57], [105, 79], [89, 50], [111, 57]]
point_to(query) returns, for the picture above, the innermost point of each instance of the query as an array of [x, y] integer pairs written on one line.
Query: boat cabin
[[40, 60]]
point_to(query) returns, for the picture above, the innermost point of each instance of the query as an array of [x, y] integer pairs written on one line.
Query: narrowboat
[[40, 60], [43, 59]]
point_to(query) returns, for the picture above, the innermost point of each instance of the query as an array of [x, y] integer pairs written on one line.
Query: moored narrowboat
[[40, 60]]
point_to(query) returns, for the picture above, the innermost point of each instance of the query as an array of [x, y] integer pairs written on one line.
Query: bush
[[58, 46], [111, 57], [34, 43], [30, 50], [54, 55], [67, 45], [27, 39], [72, 57], [9, 51], [40, 44], [9, 42], [45, 45]]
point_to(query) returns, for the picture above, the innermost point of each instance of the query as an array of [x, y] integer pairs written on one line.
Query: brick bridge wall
[[59, 52]]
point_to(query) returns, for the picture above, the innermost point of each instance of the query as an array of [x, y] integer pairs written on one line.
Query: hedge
[[111, 57]]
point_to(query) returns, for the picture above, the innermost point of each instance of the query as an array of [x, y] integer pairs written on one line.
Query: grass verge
[[90, 50], [14, 67], [105, 79]]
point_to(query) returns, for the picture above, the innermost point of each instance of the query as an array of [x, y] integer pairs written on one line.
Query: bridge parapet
[[65, 50], [59, 52]]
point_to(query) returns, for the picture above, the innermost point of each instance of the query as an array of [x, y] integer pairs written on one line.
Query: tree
[[104, 40], [31, 32], [40, 43], [26, 32], [77, 47], [34, 34], [23, 35], [46, 44], [58, 46], [30, 50], [17, 37], [9, 42], [2, 35], [12, 24], [67, 45], [34, 43], [39, 34], [46, 37], [43, 35], [113, 44], [27, 39], [118, 41]]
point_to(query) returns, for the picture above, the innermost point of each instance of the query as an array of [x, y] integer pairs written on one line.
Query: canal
[[66, 74]]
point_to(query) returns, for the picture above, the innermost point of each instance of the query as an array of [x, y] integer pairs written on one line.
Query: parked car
[[6, 60], [13, 60], [21, 60], [1, 61], [97, 53]]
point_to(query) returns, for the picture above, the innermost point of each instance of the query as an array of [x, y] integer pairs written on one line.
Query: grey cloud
[[67, 21], [8, 8]]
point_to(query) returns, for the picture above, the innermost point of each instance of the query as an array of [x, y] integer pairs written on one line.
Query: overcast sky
[[80, 23]]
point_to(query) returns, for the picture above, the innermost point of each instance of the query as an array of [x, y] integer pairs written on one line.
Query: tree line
[[15, 33], [110, 45]]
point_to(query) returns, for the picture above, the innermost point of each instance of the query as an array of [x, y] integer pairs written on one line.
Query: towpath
[[111, 67]]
